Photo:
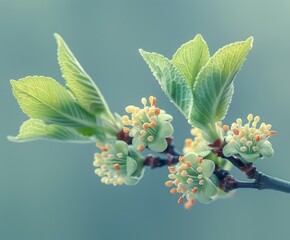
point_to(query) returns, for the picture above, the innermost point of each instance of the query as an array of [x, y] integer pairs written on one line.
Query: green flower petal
[[136, 142], [207, 191], [267, 151], [131, 166], [204, 153], [165, 129], [159, 145], [249, 157], [191, 157], [134, 129], [165, 117], [121, 146], [207, 168], [203, 198], [131, 180], [133, 153], [230, 150]]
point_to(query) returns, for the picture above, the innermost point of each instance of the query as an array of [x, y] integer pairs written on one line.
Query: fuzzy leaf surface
[[213, 89], [175, 86], [191, 57], [44, 98], [34, 129], [78, 81]]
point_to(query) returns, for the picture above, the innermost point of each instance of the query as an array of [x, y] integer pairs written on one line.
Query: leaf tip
[[250, 40], [142, 52], [11, 138], [57, 36]]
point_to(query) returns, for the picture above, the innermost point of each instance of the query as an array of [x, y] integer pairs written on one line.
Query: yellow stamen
[[152, 100], [126, 129], [144, 101], [250, 117]]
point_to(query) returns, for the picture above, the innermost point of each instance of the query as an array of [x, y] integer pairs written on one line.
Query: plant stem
[[227, 181]]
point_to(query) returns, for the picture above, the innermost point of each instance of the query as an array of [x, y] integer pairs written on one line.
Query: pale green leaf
[[44, 98], [78, 81], [171, 80], [34, 129], [213, 88], [191, 57]]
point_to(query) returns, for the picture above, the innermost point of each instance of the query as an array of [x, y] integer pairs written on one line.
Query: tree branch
[[227, 181]]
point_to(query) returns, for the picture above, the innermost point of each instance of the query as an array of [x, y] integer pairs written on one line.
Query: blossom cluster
[[248, 141], [118, 163], [150, 126], [191, 178]]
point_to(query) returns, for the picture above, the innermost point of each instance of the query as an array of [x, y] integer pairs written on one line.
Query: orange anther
[[116, 166], [168, 183], [194, 190], [152, 124], [152, 100], [236, 131], [271, 133], [157, 111], [103, 148], [181, 159], [126, 130], [199, 159], [173, 191], [171, 169], [188, 164], [187, 205], [188, 142], [145, 126], [180, 200], [226, 128], [257, 138], [141, 148]]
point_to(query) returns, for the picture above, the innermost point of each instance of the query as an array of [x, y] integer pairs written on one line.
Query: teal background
[[49, 191]]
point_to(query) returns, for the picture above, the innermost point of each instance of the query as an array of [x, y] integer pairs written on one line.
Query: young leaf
[[213, 88], [172, 82], [34, 129], [191, 57], [79, 82], [44, 98]]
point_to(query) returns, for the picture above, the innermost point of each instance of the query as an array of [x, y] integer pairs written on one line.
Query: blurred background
[[49, 190]]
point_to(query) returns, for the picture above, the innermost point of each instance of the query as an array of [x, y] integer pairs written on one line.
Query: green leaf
[[171, 80], [34, 129], [191, 57], [44, 98], [214, 88], [79, 82]]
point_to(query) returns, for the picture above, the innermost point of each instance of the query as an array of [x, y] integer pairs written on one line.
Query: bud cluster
[[118, 163], [150, 126], [191, 178], [248, 141]]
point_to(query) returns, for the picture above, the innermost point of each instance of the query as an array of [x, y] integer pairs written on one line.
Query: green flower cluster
[[249, 142], [191, 178], [118, 163], [150, 126]]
